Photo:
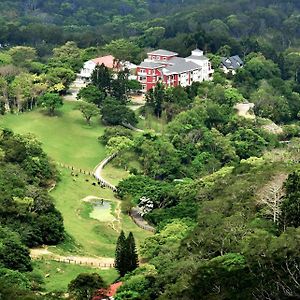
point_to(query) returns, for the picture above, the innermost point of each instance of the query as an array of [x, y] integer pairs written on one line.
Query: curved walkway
[[98, 170]]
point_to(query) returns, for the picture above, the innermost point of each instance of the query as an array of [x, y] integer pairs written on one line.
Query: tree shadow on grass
[[57, 113]]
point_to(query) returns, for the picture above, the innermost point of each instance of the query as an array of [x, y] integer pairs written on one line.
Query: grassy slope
[[65, 137], [60, 274]]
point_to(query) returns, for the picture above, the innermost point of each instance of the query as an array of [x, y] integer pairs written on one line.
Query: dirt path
[[96, 262]]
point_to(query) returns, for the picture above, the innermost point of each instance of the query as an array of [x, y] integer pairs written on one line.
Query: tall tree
[[120, 254], [101, 78], [132, 260]]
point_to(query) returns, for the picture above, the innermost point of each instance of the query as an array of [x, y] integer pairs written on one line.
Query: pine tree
[[132, 256], [126, 258], [121, 254]]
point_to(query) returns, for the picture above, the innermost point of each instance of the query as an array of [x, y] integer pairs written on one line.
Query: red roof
[[109, 292], [113, 288], [108, 61]]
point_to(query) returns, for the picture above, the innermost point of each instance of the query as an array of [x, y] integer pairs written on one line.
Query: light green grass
[[113, 174], [93, 237], [60, 274], [66, 137]]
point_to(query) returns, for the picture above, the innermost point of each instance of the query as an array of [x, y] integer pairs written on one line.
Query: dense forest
[[220, 190]]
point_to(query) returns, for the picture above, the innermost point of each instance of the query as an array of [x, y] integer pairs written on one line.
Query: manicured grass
[[94, 237], [66, 137], [113, 174], [60, 274], [91, 236]]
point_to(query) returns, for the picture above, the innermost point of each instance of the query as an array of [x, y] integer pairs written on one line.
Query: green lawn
[[65, 137], [60, 274], [92, 237]]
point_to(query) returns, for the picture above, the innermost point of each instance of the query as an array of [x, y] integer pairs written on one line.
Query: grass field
[[92, 237], [60, 274], [65, 137]]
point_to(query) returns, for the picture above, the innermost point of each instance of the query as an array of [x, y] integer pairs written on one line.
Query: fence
[[72, 168], [75, 262], [98, 170]]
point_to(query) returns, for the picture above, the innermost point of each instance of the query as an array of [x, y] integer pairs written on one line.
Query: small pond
[[102, 211]]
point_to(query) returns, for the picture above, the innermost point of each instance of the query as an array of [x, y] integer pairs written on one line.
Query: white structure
[[165, 66]]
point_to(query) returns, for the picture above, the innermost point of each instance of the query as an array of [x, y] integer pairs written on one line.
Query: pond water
[[102, 211]]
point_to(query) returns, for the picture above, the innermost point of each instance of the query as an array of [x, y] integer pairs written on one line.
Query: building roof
[[109, 61], [163, 52], [181, 66], [233, 62], [196, 57], [113, 288], [150, 65]]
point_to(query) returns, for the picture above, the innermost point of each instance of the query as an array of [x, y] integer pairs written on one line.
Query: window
[[158, 57], [149, 71]]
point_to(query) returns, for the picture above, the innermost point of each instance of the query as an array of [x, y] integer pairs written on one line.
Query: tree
[[88, 111], [51, 101], [22, 55], [121, 254], [101, 78], [291, 204], [13, 254], [114, 113], [126, 258], [132, 259], [68, 55], [123, 50], [84, 286], [155, 98], [91, 94]]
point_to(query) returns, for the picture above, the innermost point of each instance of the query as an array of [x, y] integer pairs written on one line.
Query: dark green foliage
[[110, 132], [291, 203], [101, 78], [132, 256], [115, 113], [126, 258], [121, 262], [25, 176], [84, 286], [92, 94], [13, 254]]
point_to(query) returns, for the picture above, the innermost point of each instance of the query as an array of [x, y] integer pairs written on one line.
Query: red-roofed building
[[109, 61], [108, 293], [165, 66]]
